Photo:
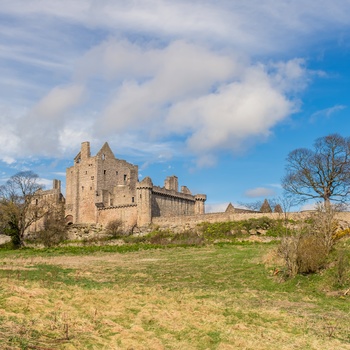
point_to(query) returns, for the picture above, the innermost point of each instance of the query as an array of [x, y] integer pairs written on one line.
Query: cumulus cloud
[[40, 129], [247, 107], [168, 75], [259, 192], [213, 100], [151, 71]]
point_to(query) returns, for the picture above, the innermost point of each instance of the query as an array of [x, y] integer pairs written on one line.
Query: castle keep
[[102, 188]]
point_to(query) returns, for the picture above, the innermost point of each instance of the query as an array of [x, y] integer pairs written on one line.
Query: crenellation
[[97, 183]]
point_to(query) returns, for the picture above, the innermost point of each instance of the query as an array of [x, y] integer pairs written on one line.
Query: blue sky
[[215, 92]]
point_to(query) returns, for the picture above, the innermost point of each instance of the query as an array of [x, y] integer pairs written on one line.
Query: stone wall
[[181, 223], [102, 188], [126, 213], [167, 203]]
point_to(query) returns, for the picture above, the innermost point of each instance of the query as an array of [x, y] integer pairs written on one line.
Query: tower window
[[132, 199], [104, 172]]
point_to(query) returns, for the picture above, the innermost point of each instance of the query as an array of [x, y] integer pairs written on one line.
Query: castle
[[102, 188]]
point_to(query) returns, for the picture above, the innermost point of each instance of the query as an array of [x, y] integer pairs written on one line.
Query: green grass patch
[[223, 295]]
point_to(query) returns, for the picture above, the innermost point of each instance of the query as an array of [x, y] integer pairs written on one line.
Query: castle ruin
[[102, 188]]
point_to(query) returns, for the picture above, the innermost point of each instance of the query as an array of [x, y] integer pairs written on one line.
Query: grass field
[[226, 296]]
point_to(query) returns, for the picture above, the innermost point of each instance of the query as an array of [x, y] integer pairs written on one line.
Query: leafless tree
[[320, 173], [18, 206]]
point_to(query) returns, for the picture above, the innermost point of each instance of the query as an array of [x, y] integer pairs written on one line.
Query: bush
[[342, 268], [55, 230], [52, 236], [288, 250], [114, 229], [311, 254], [307, 250]]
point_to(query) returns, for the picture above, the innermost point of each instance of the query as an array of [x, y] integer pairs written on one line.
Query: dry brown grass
[[141, 301]]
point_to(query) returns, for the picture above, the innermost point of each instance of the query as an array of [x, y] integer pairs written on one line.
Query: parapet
[[145, 183], [200, 197], [185, 190], [171, 183]]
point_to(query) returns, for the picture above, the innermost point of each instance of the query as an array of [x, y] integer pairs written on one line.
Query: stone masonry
[[102, 188]]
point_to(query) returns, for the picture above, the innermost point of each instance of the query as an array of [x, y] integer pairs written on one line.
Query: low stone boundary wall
[[85, 231], [181, 223]]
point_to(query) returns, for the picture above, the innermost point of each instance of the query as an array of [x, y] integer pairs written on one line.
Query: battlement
[[97, 183]]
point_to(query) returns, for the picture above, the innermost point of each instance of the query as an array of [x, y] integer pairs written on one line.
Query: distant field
[[216, 297]]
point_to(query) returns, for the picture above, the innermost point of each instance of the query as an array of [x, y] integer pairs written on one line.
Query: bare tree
[[18, 205], [321, 173]]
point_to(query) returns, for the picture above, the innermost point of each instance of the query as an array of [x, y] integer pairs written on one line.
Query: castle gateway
[[102, 188]]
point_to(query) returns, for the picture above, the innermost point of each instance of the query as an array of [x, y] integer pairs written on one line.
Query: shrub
[[288, 250], [54, 232], [114, 229], [342, 268], [51, 237], [311, 254], [306, 250]]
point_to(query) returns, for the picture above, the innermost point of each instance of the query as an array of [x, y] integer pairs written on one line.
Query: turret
[[199, 206], [144, 202]]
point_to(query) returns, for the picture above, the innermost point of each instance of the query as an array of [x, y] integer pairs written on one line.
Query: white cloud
[[46, 183], [259, 192], [217, 100], [40, 129], [246, 108], [216, 207], [57, 102], [8, 160], [169, 75], [308, 206], [148, 70], [212, 100], [263, 29], [326, 113]]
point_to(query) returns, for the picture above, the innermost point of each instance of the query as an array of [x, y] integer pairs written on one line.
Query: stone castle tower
[[102, 188]]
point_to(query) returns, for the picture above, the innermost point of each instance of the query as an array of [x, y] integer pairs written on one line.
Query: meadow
[[218, 296]]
